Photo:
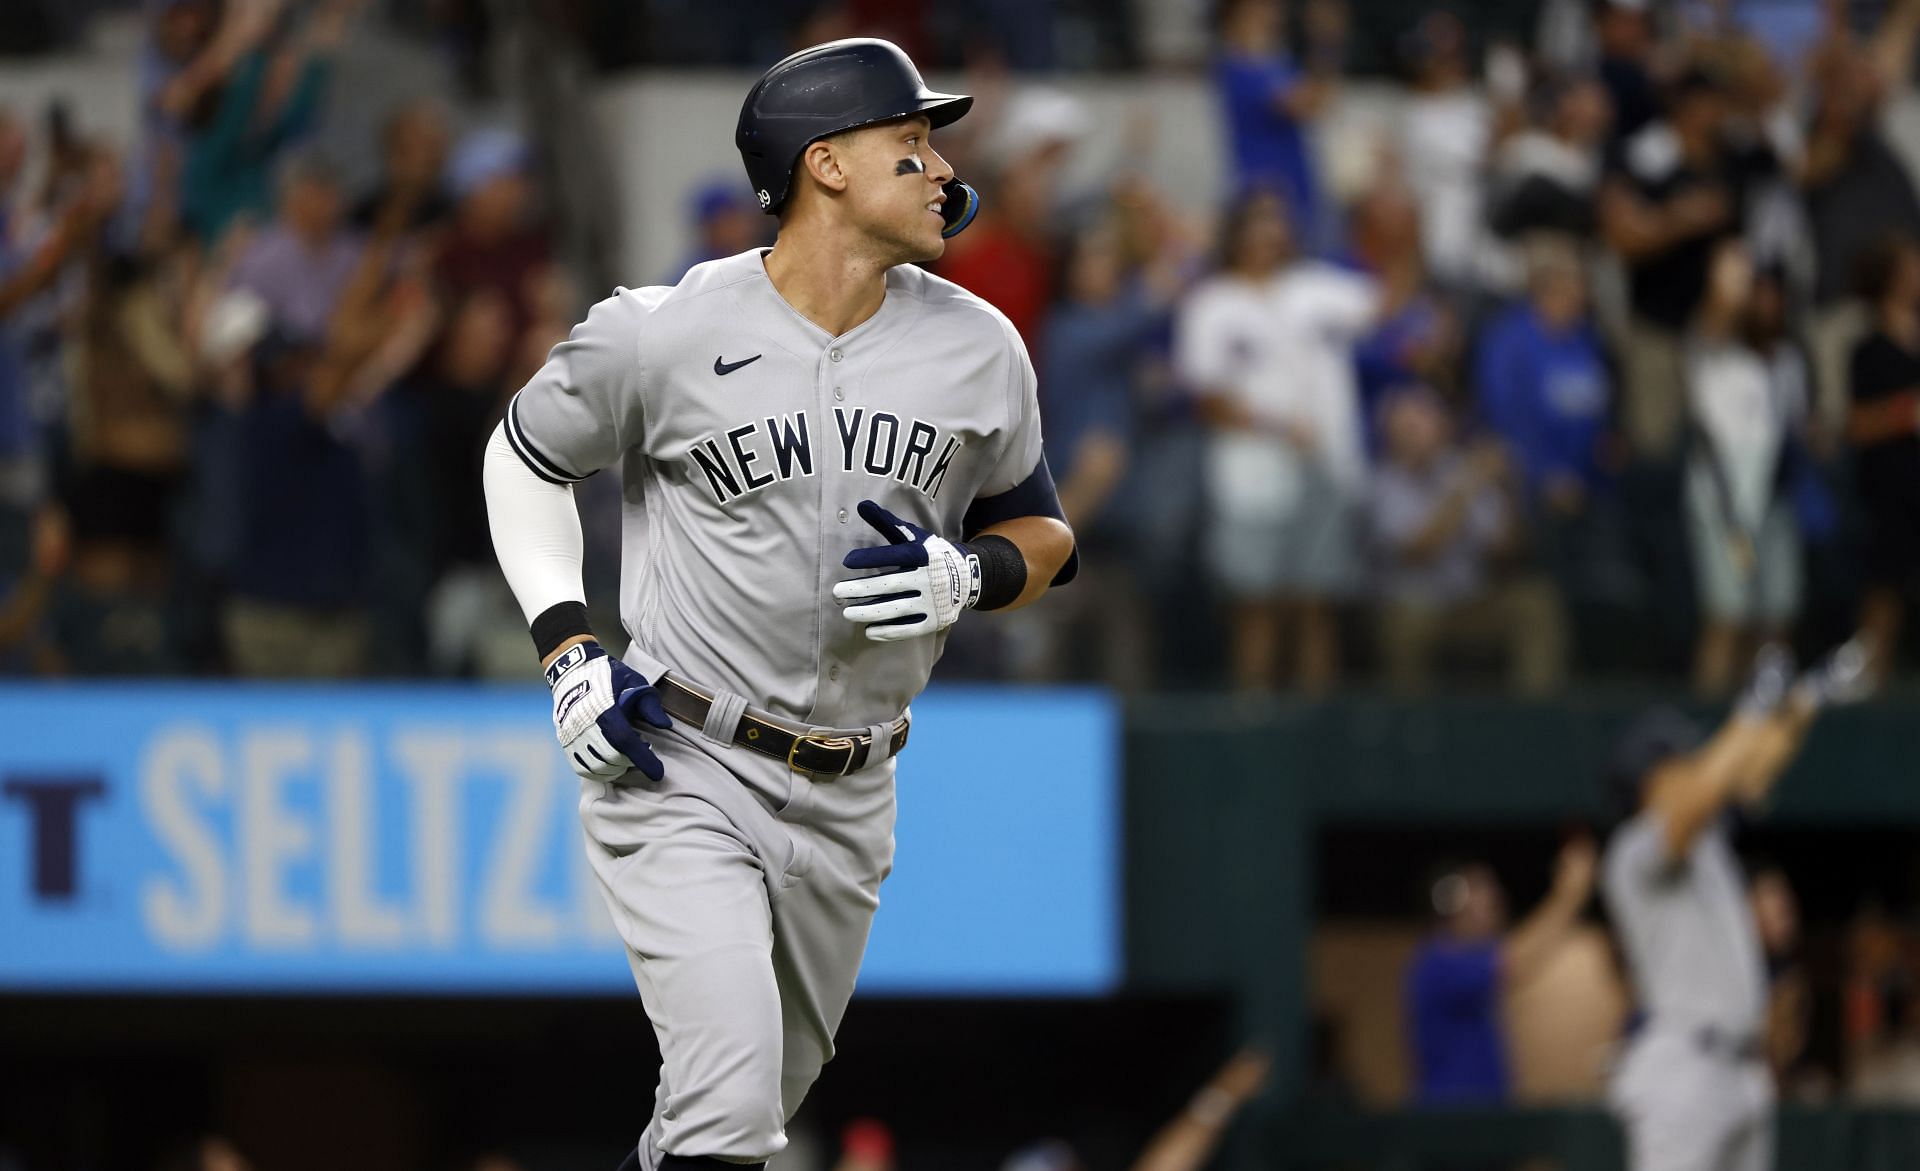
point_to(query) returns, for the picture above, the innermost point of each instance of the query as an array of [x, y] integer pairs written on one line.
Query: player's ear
[[825, 161]]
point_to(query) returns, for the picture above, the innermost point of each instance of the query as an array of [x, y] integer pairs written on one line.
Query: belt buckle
[[829, 743]]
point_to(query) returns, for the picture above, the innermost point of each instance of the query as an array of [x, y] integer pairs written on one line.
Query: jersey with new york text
[[746, 437]]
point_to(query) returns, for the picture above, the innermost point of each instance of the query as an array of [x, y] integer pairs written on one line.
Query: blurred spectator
[[1267, 345], [264, 98], [1883, 426], [299, 577], [1883, 1013], [1545, 390], [1765, 129], [300, 264], [1008, 256], [1747, 389], [412, 193], [1416, 338], [461, 395], [1090, 371], [1857, 189], [1673, 193], [297, 581], [1271, 100], [124, 468], [725, 223], [1776, 917], [34, 254], [1441, 519], [39, 248], [497, 243], [1459, 976], [1447, 134], [1624, 37], [1546, 178], [179, 54]]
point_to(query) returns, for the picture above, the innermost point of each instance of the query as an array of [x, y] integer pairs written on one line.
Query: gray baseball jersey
[[746, 436], [1689, 1098], [1686, 928]]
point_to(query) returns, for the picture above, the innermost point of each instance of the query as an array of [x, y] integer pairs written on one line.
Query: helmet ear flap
[[963, 203]]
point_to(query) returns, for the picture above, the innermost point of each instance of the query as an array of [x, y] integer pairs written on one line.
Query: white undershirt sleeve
[[536, 530]]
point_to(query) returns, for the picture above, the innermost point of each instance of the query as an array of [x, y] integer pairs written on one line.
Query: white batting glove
[[597, 699], [1845, 676], [933, 580]]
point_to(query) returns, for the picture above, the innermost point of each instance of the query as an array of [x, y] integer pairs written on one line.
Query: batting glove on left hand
[[596, 701], [933, 580]]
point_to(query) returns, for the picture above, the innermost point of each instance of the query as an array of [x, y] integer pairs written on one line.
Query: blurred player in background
[[1693, 1087]]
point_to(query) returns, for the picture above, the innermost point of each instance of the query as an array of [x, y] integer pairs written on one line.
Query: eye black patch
[[910, 166]]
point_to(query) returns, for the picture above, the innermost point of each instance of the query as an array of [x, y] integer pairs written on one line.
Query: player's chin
[[932, 250], [927, 242]]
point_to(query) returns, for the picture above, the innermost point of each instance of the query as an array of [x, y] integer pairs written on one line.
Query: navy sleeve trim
[[523, 447], [1033, 496]]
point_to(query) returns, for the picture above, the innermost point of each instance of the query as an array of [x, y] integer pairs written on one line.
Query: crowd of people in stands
[[1596, 363], [1596, 357]]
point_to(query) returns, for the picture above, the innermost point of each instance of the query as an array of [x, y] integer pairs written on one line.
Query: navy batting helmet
[[841, 85], [1656, 736]]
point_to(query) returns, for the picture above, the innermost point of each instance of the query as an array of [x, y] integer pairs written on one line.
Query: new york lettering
[[747, 458]]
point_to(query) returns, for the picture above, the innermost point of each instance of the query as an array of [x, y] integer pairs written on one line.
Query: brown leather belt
[[816, 751]]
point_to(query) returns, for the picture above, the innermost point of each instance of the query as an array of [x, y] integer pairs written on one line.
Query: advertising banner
[[405, 838]]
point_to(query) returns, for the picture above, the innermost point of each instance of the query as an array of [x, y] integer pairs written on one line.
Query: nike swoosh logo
[[724, 368]]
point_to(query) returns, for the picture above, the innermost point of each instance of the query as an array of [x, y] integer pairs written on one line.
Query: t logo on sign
[[53, 804]]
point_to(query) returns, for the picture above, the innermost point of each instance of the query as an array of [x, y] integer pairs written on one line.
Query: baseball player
[[1692, 1087], [827, 456]]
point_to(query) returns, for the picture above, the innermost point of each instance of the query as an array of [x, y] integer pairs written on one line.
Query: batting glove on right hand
[[597, 699]]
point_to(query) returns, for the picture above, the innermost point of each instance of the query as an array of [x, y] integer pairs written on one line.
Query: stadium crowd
[[1604, 359]]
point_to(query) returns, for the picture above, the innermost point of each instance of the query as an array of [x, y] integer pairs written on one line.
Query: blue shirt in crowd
[[1453, 1013], [1381, 358], [1270, 148], [1546, 393]]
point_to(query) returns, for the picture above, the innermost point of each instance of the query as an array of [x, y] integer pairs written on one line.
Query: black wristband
[[558, 623], [1003, 571]]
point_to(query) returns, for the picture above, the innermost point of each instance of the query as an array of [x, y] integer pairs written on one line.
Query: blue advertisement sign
[[411, 838]]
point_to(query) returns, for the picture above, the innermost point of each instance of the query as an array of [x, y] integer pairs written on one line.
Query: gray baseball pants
[[1688, 1110], [743, 891]]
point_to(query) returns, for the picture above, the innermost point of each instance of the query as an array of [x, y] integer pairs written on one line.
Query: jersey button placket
[[829, 676]]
